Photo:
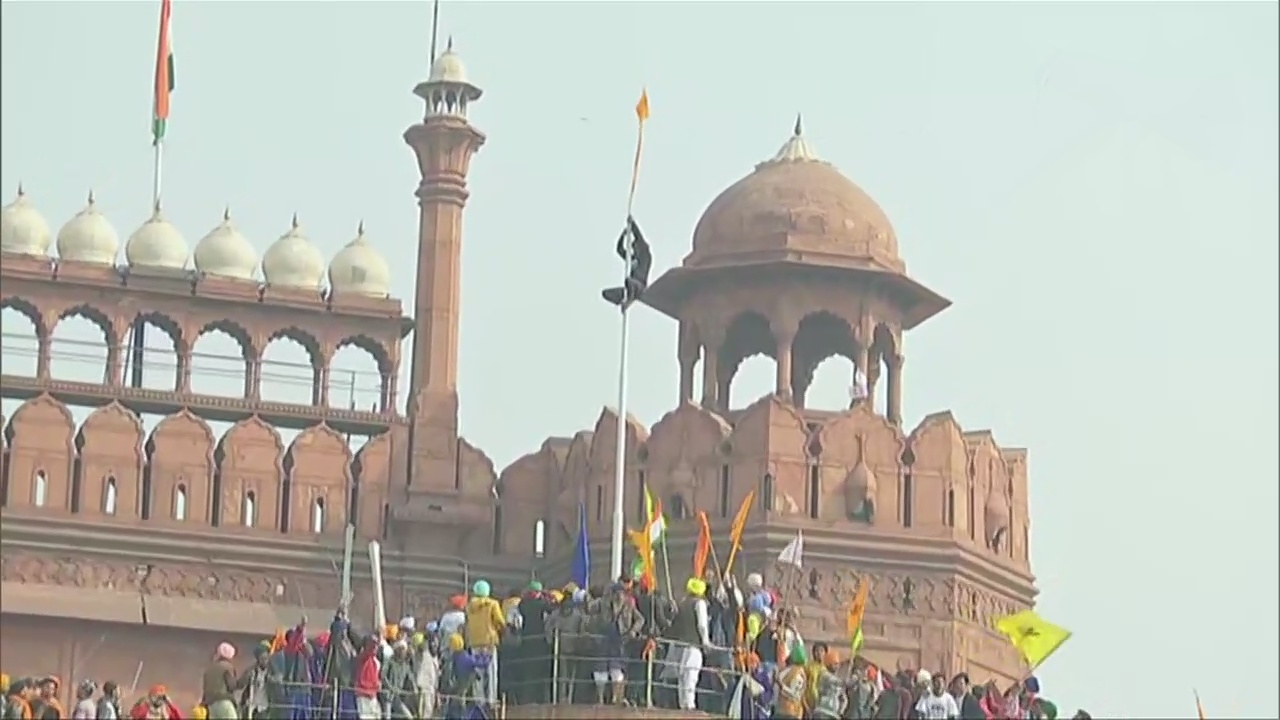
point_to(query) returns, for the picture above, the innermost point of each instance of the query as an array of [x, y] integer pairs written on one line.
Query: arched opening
[[766, 492], [109, 496], [249, 509], [882, 348], [676, 509], [78, 346], [822, 368], [219, 361], [40, 489], [540, 538], [356, 376], [180, 502], [317, 516], [20, 339], [150, 353], [746, 370], [289, 373]]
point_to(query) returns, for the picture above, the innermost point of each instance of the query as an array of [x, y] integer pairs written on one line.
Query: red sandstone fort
[[120, 544]]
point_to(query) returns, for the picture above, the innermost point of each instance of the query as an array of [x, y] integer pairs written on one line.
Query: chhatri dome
[[157, 244], [796, 203], [359, 269], [23, 230], [293, 261], [224, 252], [88, 237]]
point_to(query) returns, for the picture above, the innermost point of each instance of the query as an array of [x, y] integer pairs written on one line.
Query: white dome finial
[[293, 261], [224, 252], [157, 244], [23, 230], [88, 237], [359, 269]]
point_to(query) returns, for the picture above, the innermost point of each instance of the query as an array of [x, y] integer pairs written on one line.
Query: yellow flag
[[642, 114], [738, 527], [1033, 636], [642, 106]]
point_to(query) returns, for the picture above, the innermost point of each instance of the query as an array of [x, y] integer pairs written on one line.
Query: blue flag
[[580, 571]]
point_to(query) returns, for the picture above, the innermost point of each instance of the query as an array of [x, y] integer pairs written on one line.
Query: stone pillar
[[710, 383], [782, 381], [894, 406]]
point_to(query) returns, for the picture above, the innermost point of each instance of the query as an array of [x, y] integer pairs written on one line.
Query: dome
[[88, 237], [448, 68], [359, 269], [157, 244], [292, 261], [23, 230], [795, 202], [225, 252]]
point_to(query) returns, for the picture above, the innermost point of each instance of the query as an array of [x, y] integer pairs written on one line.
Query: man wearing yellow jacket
[[484, 626]]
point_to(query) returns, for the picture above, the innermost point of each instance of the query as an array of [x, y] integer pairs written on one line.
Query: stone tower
[[797, 263], [444, 143]]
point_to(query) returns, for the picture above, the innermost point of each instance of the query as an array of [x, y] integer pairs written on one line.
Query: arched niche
[[41, 440], [860, 434], [180, 466], [318, 464], [111, 454], [371, 470], [251, 469]]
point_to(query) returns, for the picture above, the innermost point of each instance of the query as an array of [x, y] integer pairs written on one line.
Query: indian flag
[[164, 75], [653, 516]]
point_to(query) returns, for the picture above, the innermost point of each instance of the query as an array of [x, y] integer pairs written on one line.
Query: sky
[[1093, 184]]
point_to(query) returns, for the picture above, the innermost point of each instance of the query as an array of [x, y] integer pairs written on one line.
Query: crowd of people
[[728, 651]]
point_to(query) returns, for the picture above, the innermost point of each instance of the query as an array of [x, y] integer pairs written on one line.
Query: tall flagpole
[[628, 254], [620, 457]]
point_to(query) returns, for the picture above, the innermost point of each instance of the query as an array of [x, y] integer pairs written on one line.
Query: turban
[[696, 587], [480, 589]]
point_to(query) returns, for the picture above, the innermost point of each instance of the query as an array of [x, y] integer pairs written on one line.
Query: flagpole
[[620, 457]]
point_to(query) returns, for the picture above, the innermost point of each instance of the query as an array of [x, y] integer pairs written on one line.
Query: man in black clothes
[[534, 671]]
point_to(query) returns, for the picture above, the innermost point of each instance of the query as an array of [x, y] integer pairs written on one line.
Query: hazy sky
[[1094, 185]]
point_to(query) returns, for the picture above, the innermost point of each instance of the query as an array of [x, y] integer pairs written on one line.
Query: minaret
[[444, 142]]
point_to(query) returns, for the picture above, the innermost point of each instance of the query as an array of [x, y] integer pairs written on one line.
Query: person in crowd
[[464, 678], [1002, 705], [830, 696], [896, 701], [425, 648], [861, 693], [86, 708], [568, 624], [254, 700], [790, 687], [291, 668], [1081, 715], [17, 700], [399, 682], [485, 626], [936, 703], [615, 622], [813, 672], [691, 630], [455, 618], [46, 705], [219, 684], [366, 682], [109, 702], [156, 705], [534, 674], [961, 689]]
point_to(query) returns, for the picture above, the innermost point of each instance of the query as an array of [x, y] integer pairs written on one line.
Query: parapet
[[594, 712]]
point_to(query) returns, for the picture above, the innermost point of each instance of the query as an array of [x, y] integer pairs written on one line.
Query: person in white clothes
[[692, 630], [936, 703]]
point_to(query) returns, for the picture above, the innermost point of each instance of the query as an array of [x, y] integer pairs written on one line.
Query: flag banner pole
[[620, 458]]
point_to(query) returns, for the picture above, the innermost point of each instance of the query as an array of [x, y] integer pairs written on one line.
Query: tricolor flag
[[164, 74]]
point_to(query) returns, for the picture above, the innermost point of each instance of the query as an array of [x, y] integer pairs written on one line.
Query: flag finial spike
[[293, 224], [226, 213], [448, 45], [155, 207], [91, 197], [360, 228], [799, 128], [21, 191]]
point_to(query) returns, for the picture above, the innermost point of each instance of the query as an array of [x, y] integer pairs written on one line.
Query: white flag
[[735, 702], [793, 553]]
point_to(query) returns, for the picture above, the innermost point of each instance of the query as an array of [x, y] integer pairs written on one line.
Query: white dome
[[23, 230], [225, 252], [88, 237], [448, 68], [292, 261], [359, 269], [157, 244]]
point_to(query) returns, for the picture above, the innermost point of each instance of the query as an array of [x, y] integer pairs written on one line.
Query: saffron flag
[[1034, 637], [645, 550], [738, 527], [642, 106], [164, 75], [702, 550], [642, 114], [581, 570], [857, 609]]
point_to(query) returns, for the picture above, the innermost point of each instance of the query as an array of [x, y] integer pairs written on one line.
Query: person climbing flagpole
[[636, 260]]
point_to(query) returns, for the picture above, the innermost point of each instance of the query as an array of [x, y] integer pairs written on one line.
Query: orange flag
[[703, 549], [858, 607], [736, 529], [644, 547]]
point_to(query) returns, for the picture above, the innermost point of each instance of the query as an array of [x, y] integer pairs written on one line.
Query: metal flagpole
[[620, 457]]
